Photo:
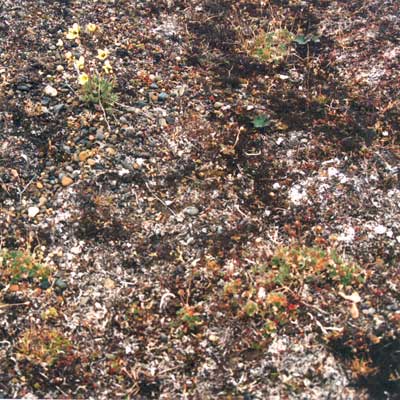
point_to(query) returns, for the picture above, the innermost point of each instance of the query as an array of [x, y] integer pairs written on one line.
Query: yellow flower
[[107, 67], [74, 31], [79, 64], [83, 78], [102, 54], [91, 28]]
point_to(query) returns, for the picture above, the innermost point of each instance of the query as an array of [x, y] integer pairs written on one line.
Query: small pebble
[[99, 135], [84, 155], [60, 284], [33, 211], [191, 210], [162, 96], [66, 180], [50, 91], [153, 96], [58, 107], [369, 311], [109, 283]]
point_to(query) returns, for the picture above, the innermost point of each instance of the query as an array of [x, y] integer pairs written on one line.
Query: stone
[[191, 210], [60, 284], [109, 283], [66, 180], [58, 107], [162, 96], [50, 91], [99, 135], [153, 96], [84, 155], [33, 211]]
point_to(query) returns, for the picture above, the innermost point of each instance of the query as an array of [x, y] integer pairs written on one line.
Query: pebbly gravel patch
[[227, 228]]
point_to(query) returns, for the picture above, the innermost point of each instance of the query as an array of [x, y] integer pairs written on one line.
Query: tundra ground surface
[[226, 226]]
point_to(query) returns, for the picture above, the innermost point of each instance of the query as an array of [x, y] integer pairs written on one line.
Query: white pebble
[[33, 211]]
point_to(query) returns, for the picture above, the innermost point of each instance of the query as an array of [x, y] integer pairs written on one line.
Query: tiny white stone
[[380, 229], [50, 91], [33, 211], [297, 194], [332, 171], [261, 293], [276, 186], [75, 250], [280, 140], [348, 235]]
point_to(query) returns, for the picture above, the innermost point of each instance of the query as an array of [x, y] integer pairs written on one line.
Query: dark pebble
[[58, 107], [24, 88], [60, 284]]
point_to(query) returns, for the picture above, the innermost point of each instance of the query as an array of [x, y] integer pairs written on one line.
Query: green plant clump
[[99, 90], [43, 346], [17, 266], [273, 46]]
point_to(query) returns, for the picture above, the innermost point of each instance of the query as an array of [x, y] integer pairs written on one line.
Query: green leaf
[[261, 121], [301, 39]]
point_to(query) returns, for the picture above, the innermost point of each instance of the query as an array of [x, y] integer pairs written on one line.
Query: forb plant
[[97, 85], [18, 265]]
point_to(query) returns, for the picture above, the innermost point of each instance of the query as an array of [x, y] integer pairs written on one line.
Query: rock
[[33, 211], [123, 119], [218, 104], [60, 284], [110, 151], [42, 200], [44, 284], [162, 96], [84, 155], [58, 107], [380, 229], [109, 283], [170, 120], [24, 88], [154, 85], [50, 91], [76, 250], [66, 149], [191, 210], [213, 338], [99, 135], [162, 122], [66, 180], [153, 96]]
